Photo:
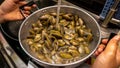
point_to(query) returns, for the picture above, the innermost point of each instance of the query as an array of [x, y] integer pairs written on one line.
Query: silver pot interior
[[89, 21]]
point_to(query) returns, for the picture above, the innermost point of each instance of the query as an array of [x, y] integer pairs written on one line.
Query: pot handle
[[30, 3], [111, 36]]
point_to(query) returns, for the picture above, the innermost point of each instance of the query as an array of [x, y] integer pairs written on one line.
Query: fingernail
[[100, 49]]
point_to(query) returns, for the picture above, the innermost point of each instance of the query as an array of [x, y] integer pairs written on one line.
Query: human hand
[[110, 57], [10, 9], [101, 47]]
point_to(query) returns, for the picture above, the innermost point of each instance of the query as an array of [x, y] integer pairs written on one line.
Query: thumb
[[113, 45]]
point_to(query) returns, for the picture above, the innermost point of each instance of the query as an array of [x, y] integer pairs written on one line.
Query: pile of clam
[[60, 44]]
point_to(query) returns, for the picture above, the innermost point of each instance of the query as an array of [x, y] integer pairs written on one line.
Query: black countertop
[[3, 63]]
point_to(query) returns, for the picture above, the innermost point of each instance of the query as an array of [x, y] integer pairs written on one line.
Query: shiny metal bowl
[[89, 21]]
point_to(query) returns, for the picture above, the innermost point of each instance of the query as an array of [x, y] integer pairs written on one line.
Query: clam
[[65, 55], [32, 32], [68, 37], [74, 42], [53, 14], [34, 25], [68, 16], [64, 22], [52, 20], [48, 46], [80, 21], [73, 48], [63, 43], [44, 17], [57, 59], [66, 41], [81, 49], [41, 56], [55, 45], [30, 41], [80, 39], [55, 33], [39, 24], [74, 53], [87, 50], [37, 37]]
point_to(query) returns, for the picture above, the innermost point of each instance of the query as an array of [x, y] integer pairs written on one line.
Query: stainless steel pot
[[89, 21]]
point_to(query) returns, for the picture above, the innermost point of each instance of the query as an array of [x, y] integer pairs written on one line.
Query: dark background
[[94, 6]]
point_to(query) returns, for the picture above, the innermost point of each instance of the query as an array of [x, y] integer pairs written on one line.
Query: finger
[[27, 8], [104, 41], [30, 7], [112, 45], [96, 53], [34, 5], [101, 48], [26, 12], [26, 15]]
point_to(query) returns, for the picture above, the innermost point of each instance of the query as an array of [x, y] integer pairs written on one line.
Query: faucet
[[110, 14]]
